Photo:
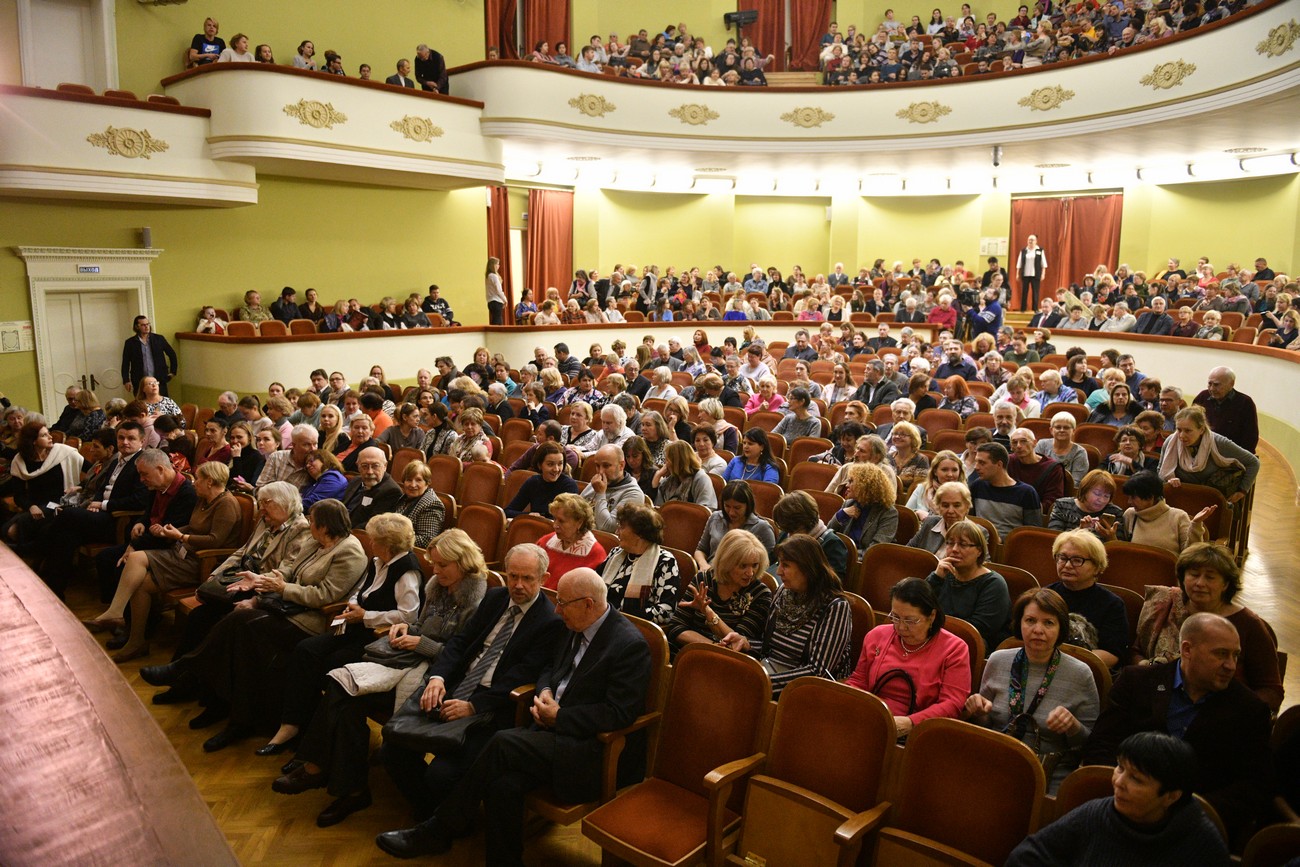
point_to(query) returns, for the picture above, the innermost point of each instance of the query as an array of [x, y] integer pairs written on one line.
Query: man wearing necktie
[[505, 645], [596, 682]]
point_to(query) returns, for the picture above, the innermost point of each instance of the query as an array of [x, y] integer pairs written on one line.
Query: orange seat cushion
[[660, 819]]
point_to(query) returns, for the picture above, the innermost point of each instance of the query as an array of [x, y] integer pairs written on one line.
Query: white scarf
[[1177, 456], [580, 548], [63, 456], [643, 570]]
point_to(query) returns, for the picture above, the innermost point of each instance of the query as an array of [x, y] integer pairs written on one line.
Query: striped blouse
[[820, 647]]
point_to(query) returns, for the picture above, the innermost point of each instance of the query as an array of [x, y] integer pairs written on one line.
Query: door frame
[[104, 23], [55, 270]]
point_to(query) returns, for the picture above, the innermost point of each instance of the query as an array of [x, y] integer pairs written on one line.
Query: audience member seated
[[796, 513], [1043, 473], [236, 661], [905, 458], [572, 544], [868, 515], [682, 478], [641, 576], [420, 504], [1000, 499], [1101, 624], [536, 494], [1208, 580], [1149, 520], [334, 749], [754, 462], [1196, 455], [373, 491], [810, 624], [387, 594], [727, 595], [916, 667], [1036, 693], [41, 472], [207, 46], [968, 589], [1150, 819], [1091, 509], [327, 479], [1198, 699]]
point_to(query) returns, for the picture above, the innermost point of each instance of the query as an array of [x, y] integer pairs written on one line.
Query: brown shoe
[[299, 781], [107, 625], [128, 653]]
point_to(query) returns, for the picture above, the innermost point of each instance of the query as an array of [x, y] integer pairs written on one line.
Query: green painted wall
[[780, 231], [1228, 221], [11, 71], [344, 240], [150, 39], [702, 18], [946, 227]]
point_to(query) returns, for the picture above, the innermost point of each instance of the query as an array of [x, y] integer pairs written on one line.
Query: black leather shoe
[[424, 839], [223, 739], [209, 716], [276, 749], [342, 808], [299, 781], [292, 765], [162, 675], [178, 694], [119, 639]]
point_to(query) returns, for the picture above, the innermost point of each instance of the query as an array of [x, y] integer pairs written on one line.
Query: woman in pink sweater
[[915, 666], [572, 544]]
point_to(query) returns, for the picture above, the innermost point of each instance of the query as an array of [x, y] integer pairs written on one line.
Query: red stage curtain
[[499, 27], [550, 242], [809, 21], [768, 34], [498, 222], [546, 21], [1076, 234]]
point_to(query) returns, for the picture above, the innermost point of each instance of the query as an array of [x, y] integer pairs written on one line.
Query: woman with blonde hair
[[968, 589], [868, 516], [572, 544], [712, 414], [470, 422], [905, 456], [725, 597], [946, 467], [495, 293], [662, 385], [682, 478]]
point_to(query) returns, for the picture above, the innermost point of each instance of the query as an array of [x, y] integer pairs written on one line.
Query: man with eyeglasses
[[595, 682], [373, 491], [506, 644]]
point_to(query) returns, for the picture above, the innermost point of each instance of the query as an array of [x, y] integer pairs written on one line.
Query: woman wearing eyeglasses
[[1036, 693], [1080, 560], [916, 667]]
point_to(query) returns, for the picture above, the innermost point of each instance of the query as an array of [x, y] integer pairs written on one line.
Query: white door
[[68, 40], [86, 333]]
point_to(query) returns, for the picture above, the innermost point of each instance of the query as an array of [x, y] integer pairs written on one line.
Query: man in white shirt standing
[[1030, 266]]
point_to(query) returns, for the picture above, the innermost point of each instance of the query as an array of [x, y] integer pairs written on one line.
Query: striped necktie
[[488, 658]]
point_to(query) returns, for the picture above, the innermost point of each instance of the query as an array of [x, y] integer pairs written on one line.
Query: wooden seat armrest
[[719, 783], [936, 852], [850, 835], [123, 513], [523, 698], [223, 553], [615, 742], [1285, 809], [334, 609]]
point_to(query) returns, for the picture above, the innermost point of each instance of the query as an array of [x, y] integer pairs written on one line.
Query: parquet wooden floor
[[269, 829]]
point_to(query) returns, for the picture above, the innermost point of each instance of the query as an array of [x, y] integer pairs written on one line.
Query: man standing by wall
[[147, 354]]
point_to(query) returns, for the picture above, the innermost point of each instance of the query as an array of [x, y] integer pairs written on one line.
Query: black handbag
[[895, 674], [413, 728], [215, 591], [278, 604]]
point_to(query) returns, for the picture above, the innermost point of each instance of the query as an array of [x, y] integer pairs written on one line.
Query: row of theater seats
[[87, 90]]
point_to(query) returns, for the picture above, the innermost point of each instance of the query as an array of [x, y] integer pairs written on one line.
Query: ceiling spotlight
[[1243, 150]]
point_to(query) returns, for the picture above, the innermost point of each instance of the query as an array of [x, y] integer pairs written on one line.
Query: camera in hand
[[968, 297]]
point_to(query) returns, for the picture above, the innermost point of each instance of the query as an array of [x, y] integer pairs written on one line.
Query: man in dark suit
[[1156, 320], [506, 644], [1198, 700], [122, 491], [403, 76], [147, 354], [170, 499], [1048, 315], [595, 683], [373, 491], [876, 388]]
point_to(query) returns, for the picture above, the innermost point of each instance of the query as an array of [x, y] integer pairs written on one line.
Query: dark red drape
[[498, 227], [499, 27], [546, 21], [549, 258], [768, 33], [809, 21], [1076, 234]]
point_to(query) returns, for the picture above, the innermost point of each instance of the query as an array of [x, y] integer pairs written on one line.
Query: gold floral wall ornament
[[1281, 39], [924, 112], [129, 143], [1167, 75], [417, 128], [319, 115], [808, 117], [1047, 98], [592, 105], [694, 114]]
